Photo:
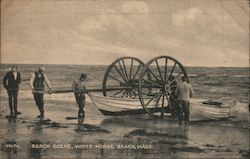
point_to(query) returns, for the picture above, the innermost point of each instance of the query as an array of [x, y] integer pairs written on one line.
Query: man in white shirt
[[37, 85], [184, 92]]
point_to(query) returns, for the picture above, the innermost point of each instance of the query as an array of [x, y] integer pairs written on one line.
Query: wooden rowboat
[[113, 106], [200, 109]]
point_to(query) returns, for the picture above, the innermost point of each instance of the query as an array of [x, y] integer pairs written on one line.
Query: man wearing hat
[[37, 85], [11, 82], [78, 86]]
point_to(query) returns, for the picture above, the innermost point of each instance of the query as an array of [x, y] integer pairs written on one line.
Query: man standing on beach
[[37, 86], [11, 82], [184, 92], [78, 86]]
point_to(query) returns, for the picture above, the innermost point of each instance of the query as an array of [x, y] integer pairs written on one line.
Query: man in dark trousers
[[11, 82], [37, 85], [78, 86]]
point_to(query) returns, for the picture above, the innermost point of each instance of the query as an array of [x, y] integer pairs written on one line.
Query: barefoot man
[[184, 92], [78, 86]]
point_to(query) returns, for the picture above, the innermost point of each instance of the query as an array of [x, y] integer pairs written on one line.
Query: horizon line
[[107, 65]]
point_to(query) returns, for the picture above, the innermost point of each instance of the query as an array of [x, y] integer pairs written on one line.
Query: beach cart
[[131, 87]]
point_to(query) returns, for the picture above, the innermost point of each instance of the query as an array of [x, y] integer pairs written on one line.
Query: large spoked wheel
[[123, 73], [157, 85]]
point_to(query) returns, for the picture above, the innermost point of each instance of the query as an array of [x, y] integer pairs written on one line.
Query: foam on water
[[240, 112], [208, 83]]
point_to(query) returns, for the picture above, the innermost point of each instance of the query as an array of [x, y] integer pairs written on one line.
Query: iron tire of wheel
[[156, 85], [123, 72]]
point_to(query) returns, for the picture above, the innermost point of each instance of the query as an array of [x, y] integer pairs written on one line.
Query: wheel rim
[[157, 85], [123, 72]]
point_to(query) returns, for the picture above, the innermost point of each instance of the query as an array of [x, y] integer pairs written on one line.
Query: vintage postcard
[[114, 79]]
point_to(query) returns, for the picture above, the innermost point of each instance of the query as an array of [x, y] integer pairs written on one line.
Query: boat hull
[[117, 107], [198, 111]]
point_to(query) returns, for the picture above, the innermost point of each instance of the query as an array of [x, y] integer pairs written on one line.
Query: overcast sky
[[196, 32]]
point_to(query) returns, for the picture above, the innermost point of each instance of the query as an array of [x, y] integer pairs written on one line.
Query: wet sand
[[62, 135]]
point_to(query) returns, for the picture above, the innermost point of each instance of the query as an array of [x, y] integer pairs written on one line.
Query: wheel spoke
[[171, 72], [114, 74], [138, 68], [133, 92], [174, 99], [162, 107], [165, 72], [119, 63], [157, 102], [120, 73], [125, 91], [125, 70], [167, 98], [155, 84], [131, 68], [130, 94], [159, 70], [157, 94], [116, 79], [169, 102], [118, 92], [175, 78], [153, 74], [173, 86]]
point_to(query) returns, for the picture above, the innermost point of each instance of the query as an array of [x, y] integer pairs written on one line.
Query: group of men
[[12, 80], [182, 92]]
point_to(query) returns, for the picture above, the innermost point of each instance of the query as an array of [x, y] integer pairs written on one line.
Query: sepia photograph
[[124, 79]]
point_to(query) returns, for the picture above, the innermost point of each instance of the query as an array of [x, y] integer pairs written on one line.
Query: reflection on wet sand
[[80, 121], [128, 136], [138, 137], [35, 152], [36, 146], [136, 126], [81, 127], [76, 141], [10, 146], [81, 131]]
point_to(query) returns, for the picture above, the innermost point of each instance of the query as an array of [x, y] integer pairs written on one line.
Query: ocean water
[[226, 139], [208, 82]]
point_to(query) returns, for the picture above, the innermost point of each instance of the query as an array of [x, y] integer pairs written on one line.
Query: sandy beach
[[61, 135]]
